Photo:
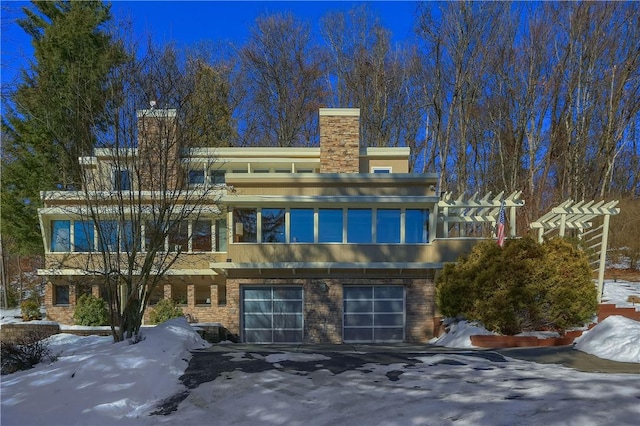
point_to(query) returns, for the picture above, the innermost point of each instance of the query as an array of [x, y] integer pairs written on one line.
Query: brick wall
[[339, 140]]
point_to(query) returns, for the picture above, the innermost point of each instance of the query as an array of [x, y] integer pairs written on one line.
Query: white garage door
[[373, 314], [272, 314]]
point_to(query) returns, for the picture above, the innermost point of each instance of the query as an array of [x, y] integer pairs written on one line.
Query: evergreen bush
[[524, 287], [164, 310], [91, 311], [30, 310]]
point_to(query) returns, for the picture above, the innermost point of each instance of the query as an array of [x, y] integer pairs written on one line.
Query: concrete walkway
[[562, 355]]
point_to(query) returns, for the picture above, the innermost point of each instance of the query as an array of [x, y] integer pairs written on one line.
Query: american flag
[[500, 228]]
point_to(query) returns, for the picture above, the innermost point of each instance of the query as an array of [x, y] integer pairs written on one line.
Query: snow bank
[[99, 382], [459, 335], [616, 338]]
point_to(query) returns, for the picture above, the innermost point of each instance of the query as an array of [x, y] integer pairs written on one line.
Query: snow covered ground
[[96, 382]]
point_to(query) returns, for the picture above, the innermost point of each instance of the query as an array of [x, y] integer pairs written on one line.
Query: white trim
[[344, 112]]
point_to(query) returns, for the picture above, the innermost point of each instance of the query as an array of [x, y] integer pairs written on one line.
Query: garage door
[[373, 314], [272, 314]]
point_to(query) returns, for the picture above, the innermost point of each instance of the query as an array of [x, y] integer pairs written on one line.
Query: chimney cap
[[350, 112]]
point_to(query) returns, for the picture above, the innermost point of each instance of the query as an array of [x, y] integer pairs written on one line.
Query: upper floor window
[[196, 177], [359, 225], [381, 169], [388, 226], [416, 230], [83, 236], [179, 236], [122, 180], [245, 225], [201, 240], [330, 225], [273, 226], [60, 235], [216, 177], [301, 225]]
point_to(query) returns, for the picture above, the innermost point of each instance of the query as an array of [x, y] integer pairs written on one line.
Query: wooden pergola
[[455, 214], [580, 217]]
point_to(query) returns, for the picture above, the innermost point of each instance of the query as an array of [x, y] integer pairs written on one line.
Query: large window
[[83, 236], [301, 225], [359, 225], [217, 177], [201, 235], [60, 235], [153, 237], [273, 226], [388, 226], [108, 235], [416, 229], [122, 180], [196, 177], [330, 225], [245, 225], [179, 236], [221, 235]]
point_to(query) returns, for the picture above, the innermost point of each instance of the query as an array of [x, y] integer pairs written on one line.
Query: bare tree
[[136, 212], [456, 41], [278, 79], [367, 72]]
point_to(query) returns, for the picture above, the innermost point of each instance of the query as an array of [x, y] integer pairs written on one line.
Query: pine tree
[[56, 112]]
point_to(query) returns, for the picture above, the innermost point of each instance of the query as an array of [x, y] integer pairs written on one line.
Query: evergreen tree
[[56, 112]]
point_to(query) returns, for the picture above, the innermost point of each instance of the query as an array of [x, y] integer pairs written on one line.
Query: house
[[328, 244]]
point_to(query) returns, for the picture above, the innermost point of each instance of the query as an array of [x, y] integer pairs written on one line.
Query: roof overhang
[[224, 267]]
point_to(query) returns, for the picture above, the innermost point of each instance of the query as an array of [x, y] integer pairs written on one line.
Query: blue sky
[[187, 22]]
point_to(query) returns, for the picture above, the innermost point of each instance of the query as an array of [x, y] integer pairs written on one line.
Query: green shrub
[[164, 310], [30, 310], [91, 311], [525, 286]]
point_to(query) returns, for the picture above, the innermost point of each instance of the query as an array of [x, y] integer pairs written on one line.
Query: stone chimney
[[158, 150], [339, 140]]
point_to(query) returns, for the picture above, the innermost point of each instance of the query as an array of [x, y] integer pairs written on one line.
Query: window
[[108, 235], [62, 295], [388, 226], [60, 235], [201, 235], [301, 225], [153, 237], [381, 170], [122, 180], [179, 236], [245, 225], [416, 229], [196, 177], [330, 225], [217, 177], [83, 236], [273, 226], [359, 225], [128, 237], [203, 294], [179, 293], [221, 235]]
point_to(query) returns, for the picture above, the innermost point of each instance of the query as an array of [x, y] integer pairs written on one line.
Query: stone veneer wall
[[339, 140], [323, 305]]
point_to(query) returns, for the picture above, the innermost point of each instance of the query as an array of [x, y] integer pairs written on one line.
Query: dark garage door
[[373, 314], [272, 314]]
